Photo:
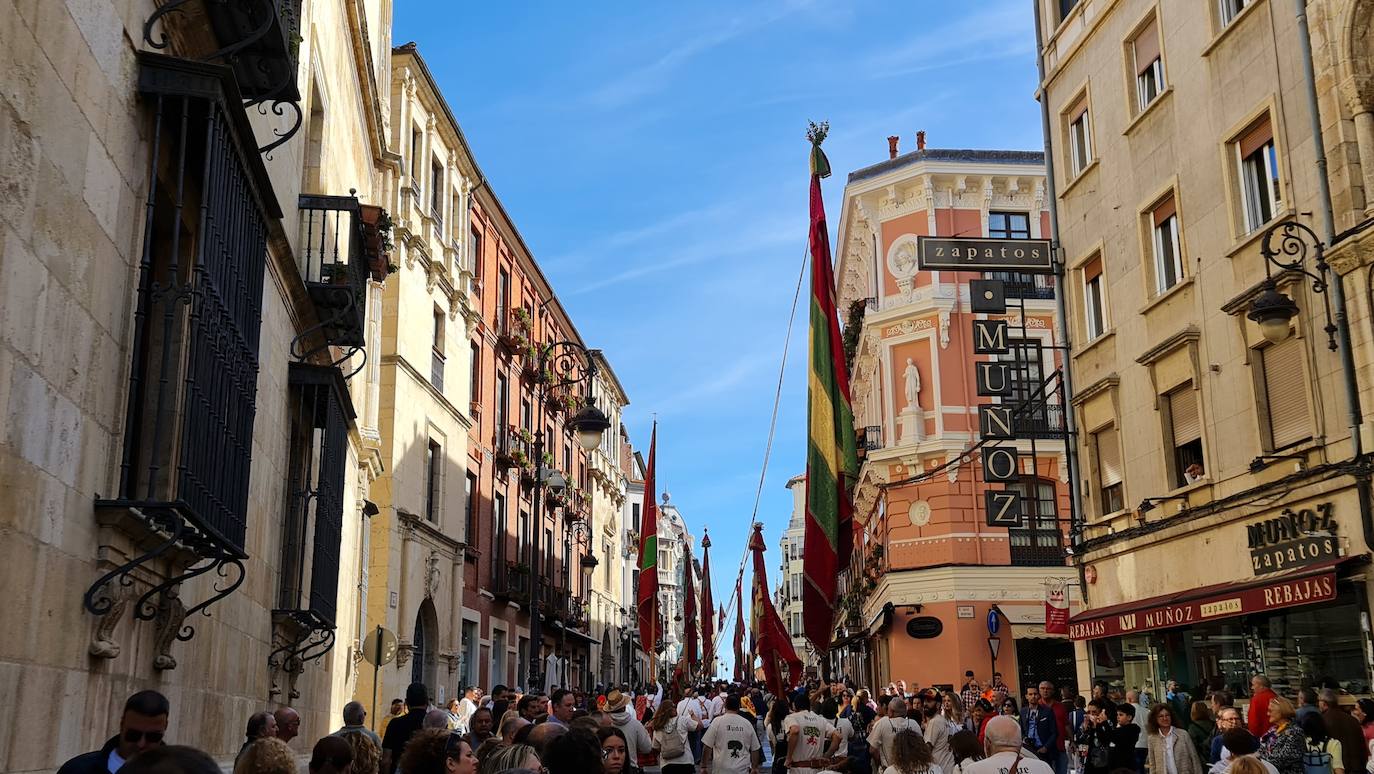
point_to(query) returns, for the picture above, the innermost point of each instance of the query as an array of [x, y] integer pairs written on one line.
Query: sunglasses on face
[[134, 736]]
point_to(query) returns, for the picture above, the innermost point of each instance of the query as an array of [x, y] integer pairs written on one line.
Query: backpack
[[671, 746], [1316, 760]]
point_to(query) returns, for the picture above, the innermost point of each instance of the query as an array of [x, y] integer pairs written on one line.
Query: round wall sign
[[924, 627], [919, 513]]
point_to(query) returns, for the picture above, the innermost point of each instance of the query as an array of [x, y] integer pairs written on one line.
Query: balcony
[[1040, 422], [870, 439], [334, 264], [513, 328], [1025, 286], [510, 582], [513, 448]]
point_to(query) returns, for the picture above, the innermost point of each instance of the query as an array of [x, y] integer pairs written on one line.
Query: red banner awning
[[1311, 584]]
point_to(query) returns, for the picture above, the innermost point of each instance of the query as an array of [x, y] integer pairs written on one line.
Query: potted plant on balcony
[[377, 243]]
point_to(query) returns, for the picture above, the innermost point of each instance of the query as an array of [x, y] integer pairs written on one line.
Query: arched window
[[1037, 542]]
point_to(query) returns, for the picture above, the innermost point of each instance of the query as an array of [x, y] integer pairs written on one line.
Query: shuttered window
[[1183, 414], [1109, 457], [1285, 394]]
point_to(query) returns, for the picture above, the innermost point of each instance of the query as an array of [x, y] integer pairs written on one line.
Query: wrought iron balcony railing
[[1019, 285], [870, 438], [513, 447], [1045, 421], [334, 265], [511, 581]]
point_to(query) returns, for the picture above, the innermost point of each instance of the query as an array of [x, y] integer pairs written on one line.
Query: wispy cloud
[[995, 30]]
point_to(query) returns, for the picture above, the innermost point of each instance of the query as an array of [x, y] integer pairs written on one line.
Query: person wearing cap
[[637, 741], [400, 730]]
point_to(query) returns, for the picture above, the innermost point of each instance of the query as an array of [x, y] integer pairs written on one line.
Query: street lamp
[[560, 364], [1273, 311]]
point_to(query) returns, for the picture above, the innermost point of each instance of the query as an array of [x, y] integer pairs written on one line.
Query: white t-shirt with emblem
[[732, 741], [1001, 764], [813, 738], [884, 730]]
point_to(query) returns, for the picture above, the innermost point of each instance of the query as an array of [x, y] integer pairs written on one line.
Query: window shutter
[[1092, 269], [1108, 457], [1187, 425], [1079, 108], [1255, 138], [1164, 210], [1146, 46], [1289, 420]]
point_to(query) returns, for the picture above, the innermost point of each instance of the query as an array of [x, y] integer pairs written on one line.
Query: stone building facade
[[1227, 518], [182, 363], [930, 568], [423, 415], [609, 488]]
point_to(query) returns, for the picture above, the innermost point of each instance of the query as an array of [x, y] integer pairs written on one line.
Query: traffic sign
[[379, 647], [994, 623]]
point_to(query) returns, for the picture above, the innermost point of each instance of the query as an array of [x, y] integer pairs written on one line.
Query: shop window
[[1110, 487], [1184, 430], [1165, 246], [1283, 411], [1037, 542], [1257, 170], [1079, 139], [1148, 65], [1095, 321]]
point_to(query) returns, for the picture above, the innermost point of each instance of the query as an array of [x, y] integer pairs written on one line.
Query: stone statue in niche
[[912, 376], [912, 421]]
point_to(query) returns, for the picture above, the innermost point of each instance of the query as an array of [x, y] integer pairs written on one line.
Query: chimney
[[892, 141], [921, 140]]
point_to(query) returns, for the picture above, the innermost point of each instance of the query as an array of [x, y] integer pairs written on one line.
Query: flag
[[1056, 608], [689, 611], [740, 667], [720, 624], [770, 636], [832, 461], [708, 607], [646, 596]]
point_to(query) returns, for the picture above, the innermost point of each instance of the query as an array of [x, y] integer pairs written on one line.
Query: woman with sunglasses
[[614, 750]]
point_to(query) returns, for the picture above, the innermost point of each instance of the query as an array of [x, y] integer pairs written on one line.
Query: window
[[548, 553], [416, 140], [1107, 446], [502, 401], [1149, 65], [475, 260], [469, 653], [1066, 7], [634, 515], [526, 414], [1258, 164], [433, 480], [498, 652], [1009, 225], [1284, 414], [606, 551], [524, 540], [1185, 436], [503, 300], [1029, 393], [1230, 9], [470, 493], [1036, 543], [1016, 225], [1168, 256], [436, 197], [1094, 299], [436, 361], [498, 527], [475, 384], [1080, 137]]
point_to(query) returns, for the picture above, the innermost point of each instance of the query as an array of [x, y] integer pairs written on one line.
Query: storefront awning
[[574, 634], [1307, 585]]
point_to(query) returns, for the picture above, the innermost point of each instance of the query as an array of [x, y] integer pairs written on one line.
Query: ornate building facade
[[930, 570]]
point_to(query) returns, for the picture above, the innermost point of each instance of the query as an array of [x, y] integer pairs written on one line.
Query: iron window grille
[[333, 263], [319, 415]]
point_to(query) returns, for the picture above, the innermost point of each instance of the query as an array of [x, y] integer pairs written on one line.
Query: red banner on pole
[[1056, 608]]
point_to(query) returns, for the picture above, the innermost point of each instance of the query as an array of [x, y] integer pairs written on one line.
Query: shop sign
[[1293, 539], [1273, 596], [924, 627], [1031, 256]]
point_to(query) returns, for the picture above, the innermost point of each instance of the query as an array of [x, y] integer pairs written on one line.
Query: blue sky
[[653, 155]]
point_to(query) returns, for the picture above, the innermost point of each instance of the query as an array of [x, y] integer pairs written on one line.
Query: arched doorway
[[424, 657]]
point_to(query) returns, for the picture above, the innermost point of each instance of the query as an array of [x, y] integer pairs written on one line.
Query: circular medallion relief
[[919, 513], [901, 257]]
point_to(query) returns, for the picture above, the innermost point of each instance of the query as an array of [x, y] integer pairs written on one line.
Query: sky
[[653, 156]]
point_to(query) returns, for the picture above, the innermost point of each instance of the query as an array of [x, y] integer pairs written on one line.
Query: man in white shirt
[[1002, 738], [731, 745], [690, 707], [885, 729], [811, 739], [468, 706]]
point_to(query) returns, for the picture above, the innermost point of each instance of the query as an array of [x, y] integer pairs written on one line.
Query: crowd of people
[[817, 726]]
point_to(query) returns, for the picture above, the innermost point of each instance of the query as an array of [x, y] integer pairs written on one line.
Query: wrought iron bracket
[[313, 638], [176, 539]]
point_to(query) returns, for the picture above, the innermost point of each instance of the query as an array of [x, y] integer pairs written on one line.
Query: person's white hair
[[435, 718], [1003, 733]]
